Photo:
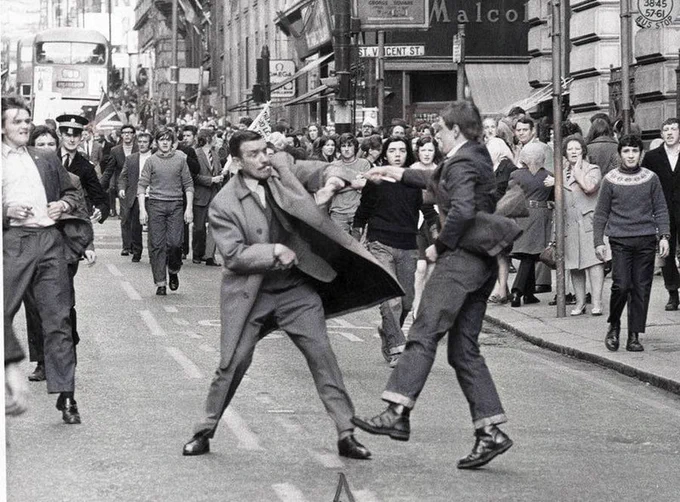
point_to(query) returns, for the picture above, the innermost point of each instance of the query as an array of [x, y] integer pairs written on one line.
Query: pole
[[109, 64], [460, 72], [380, 80], [625, 65], [370, 99], [266, 79], [557, 154], [677, 87], [341, 46], [174, 69]]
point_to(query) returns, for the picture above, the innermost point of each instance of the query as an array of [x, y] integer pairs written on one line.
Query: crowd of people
[[397, 202]]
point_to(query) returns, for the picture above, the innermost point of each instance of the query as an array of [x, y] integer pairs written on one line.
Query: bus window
[[70, 53]]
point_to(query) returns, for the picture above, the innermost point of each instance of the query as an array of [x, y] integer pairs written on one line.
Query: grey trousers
[[166, 231], [299, 312], [453, 302], [33, 259], [402, 263]]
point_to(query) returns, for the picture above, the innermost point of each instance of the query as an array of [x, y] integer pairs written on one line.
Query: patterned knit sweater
[[630, 204]]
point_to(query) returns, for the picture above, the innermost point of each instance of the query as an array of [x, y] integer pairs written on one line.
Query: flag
[[107, 115], [261, 124]]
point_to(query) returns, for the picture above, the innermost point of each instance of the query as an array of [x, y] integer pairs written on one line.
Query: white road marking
[[170, 309], [152, 323], [206, 348], [345, 334], [289, 424], [342, 323], [210, 322], [130, 291], [191, 334], [179, 321], [287, 492], [247, 440], [114, 270], [328, 460], [187, 364], [365, 496]]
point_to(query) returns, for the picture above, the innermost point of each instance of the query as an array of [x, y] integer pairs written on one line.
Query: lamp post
[[174, 69], [625, 64]]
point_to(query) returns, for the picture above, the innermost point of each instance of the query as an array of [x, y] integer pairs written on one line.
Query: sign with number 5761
[[654, 13]]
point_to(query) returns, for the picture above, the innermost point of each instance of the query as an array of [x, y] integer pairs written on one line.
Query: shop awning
[[496, 86], [308, 67], [308, 97]]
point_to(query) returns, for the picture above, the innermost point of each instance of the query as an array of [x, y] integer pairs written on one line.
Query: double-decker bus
[[64, 71]]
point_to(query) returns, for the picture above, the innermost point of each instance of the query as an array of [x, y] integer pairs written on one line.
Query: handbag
[[548, 257]]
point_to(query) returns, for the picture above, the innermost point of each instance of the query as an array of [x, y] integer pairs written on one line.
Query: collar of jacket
[[242, 189]]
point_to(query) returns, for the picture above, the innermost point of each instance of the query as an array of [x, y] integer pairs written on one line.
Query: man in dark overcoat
[[286, 265]]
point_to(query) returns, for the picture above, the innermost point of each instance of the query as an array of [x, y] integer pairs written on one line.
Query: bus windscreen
[[70, 53]]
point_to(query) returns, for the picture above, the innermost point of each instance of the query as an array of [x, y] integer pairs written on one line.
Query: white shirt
[[127, 150], [22, 185], [143, 158], [672, 156], [256, 188]]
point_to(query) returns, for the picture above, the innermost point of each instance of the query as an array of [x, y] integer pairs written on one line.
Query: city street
[[581, 432]]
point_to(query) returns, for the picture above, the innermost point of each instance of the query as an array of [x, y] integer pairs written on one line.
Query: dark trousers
[[199, 234], [34, 327], [166, 231], [454, 302], [33, 259], [525, 280], [632, 276], [671, 277], [131, 227], [299, 312]]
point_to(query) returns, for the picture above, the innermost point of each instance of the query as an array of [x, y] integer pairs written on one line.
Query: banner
[[262, 124]]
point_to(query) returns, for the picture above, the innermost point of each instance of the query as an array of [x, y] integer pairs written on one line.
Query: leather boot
[[490, 442], [673, 300], [516, 299], [633, 344], [611, 341], [391, 422]]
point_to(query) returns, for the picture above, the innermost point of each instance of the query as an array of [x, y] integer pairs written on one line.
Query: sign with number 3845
[[654, 13]]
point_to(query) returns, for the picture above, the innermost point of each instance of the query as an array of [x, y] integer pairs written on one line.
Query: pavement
[[582, 337]]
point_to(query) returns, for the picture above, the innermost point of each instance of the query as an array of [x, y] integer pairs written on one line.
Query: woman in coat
[[531, 176], [602, 147], [581, 187]]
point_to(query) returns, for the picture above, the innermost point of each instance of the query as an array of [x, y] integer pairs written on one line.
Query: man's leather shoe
[[673, 301], [174, 282], [196, 261], [611, 341], [69, 409], [529, 299], [125, 252], [351, 448], [542, 288], [161, 291], [490, 442], [38, 374], [136, 258], [633, 344], [210, 262], [199, 445], [516, 300], [388, 423]]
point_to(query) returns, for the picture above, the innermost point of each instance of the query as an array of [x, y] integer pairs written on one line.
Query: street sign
[[392, 14], [393, 51], [457, 49], [279, 71]]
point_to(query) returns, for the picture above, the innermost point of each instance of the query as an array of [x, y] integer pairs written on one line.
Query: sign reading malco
[[654, 13], [392, 14]]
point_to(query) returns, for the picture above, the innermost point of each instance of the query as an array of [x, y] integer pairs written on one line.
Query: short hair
[[516, 110], [670, 121], [282, 128], [570, 128], [598, 128], [574, 137], [601, 116], [166, 133], [245, 121], [525, 120], [205, 136], [128, 126], [41, 130], [410, 158], [373, 142], [240, 137], [423, 140], [348, 137], [466, 116], [191, 128], [630, 140], [146, 135], [13, 103]]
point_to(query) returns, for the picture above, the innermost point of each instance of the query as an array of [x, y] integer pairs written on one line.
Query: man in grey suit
[[127, 191], [207, 183], [286, 265], [36, 191]]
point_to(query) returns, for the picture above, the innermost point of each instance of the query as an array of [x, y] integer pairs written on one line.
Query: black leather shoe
[[69, 409], [388, 423], [516, 300], [199, 445], [136, 258], [161, 291], [611, 341], [210, 262], [673, 301], [490, 442], [351, 448], [529, 299], [125, 252], [38, 374], [542, 288], [633, 344], [174, 282]]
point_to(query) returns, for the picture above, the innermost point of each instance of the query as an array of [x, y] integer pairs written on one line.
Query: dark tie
[[67, 161]]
